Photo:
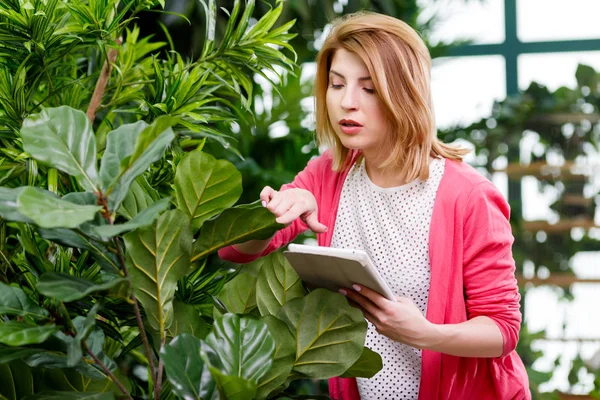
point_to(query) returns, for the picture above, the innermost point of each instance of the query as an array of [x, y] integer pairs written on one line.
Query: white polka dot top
[[392, 226]]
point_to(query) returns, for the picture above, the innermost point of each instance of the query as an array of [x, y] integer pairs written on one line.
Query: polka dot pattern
[[392, 226]]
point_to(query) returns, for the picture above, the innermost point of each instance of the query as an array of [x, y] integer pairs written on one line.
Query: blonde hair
[[399, 64]]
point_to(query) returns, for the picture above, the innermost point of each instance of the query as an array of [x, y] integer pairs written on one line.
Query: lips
[[350, 127], [349, 123]]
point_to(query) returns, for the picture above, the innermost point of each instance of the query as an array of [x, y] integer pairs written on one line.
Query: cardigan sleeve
[[304, 180], [489, 269]]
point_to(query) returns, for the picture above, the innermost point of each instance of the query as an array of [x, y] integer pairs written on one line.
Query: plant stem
[[106, 370], [102, 81], [138, 315], [158, 382]]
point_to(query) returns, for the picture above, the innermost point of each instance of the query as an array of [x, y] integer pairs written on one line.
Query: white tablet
[[332, 268]]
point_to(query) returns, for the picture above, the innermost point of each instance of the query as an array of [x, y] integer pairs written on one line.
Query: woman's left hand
[[401, 320]]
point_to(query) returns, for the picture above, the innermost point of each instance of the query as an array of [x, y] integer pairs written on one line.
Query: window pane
[[464, 88], [480, 21], [554, 69], [540, 20]]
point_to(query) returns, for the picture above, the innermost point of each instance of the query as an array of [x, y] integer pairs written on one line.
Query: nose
[[349, 99]]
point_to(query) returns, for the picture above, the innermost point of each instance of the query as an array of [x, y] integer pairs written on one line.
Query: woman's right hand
[[290, 204]]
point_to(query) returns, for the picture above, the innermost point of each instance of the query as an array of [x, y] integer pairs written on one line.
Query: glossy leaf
[[8, 205], [120, 144], [150, 145], [233, 387], [184, 366], [65, 287], [7, 354], [157, 257], [48, 211], [205, 186], [57, 395], [239, 294], [14, 301], [235, 225], [277, 284], [283, 360], [366, 366], [139, 197], [240, 347], [15, 333], [186, 319], [329, 333], [142, 220], [63, 138]]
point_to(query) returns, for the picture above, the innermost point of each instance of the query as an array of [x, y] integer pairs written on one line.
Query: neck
[[383, 177]]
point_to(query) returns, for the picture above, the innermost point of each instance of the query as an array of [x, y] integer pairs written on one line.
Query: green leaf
[[329, 333], [7, 354], [366, 366], [142, 220], [14, 333], [63, 138], [233, 387], [65, 287], [235, 225], [186, 319], [277, 284], [205, 186], [139, 197], [586, 76], [283, 362], [14, 301], [120, 144], [48, 211], [239, 347], [239, 294], [151, 143], [184, 367], [8, 205], [158, 256], [57, 395]]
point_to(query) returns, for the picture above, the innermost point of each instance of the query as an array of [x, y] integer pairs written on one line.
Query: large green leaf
[[56, 395], [184, 366], [48, 211], [235, 225], [7, 354], [329, 333], [205, 186], [14, 301], [15, 333], [233, 387], [142, 220], [366, 366], [277, 284], [120, 144], [239, 347], [8, 205], [239, 294], [283, 362], [65, 287], [186, 319], [150, 145], [63, 138], [158, 256], [139, 197]]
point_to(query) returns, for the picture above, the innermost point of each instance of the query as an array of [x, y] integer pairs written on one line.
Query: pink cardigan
[[472, 274]]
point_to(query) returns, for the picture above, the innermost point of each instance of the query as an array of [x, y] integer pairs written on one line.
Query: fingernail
[[342, 291], [264, 203], [356, 287]]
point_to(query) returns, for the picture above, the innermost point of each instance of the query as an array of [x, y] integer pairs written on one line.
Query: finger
[[314, 224], [291, 214], [372, 295], [266, 195], [276, 200], [364, 303], [281, 205]]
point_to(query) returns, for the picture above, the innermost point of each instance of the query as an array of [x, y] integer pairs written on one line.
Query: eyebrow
[[364, 78]]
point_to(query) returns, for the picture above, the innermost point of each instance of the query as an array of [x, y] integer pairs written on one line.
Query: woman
[[436, 229]]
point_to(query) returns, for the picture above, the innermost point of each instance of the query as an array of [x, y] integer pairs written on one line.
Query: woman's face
[[355, 110]]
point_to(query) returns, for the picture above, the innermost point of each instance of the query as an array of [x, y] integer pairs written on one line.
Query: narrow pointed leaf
[[8, 205], [235, 225], [205, 186], [65, 287], [63, 138], [142, 220], [240, 347], [20, 333], [366, 366], [48, 211], [14, 301], [239, 294], [277, 284], [283, 359], [329, 333], [157, 257]]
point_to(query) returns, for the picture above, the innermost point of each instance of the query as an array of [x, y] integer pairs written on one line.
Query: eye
[[370, 91], [335, 86]]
